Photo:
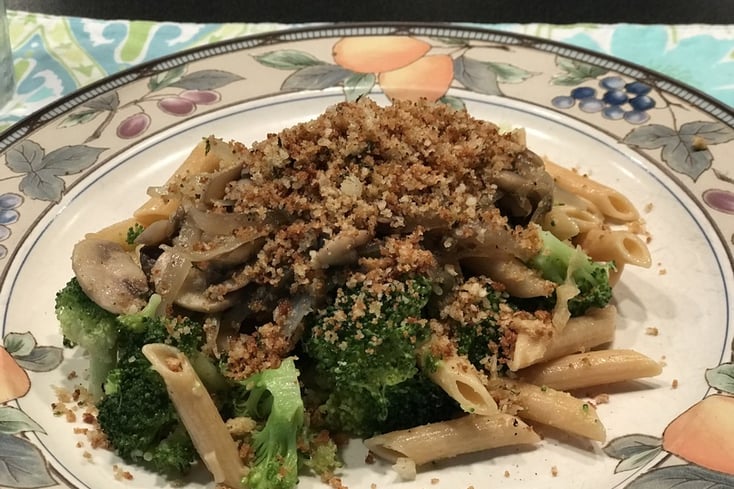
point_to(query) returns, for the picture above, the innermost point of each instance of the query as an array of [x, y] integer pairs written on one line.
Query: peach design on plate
[[14, 380], [403, 68], [704, 434]]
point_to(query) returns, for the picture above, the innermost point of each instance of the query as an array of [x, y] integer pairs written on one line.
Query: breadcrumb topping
[[386, 191]]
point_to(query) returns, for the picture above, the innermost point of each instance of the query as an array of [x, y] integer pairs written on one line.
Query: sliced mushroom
[[109, 275], [157, 232], [192, 294], [526, 190], [341, 249]]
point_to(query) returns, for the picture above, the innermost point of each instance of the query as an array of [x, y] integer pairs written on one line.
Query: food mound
[[369, 271]]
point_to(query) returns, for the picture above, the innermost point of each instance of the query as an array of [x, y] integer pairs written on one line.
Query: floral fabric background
[[56, 55]]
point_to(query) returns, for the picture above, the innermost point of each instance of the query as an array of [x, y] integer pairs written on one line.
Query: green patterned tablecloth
[[55, 56]]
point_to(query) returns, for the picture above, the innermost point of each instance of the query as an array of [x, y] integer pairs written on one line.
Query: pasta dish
[[406, 275]]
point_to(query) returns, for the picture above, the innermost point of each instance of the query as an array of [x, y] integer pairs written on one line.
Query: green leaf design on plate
[[358, 84], [454, 102], [451, 41], [42, 185], [166, 78], [684, 151], [287, 59], [721, 378], [106, 101], [315, 78], [509, 73], [19, 344], [633, 451], [25, 157], [206, 80], [14, 421], [81, 117], [575, 72], [651, 136], [41, 180], [682, 476], [23, 465], [477, 76], [71, 159], [712, 132], [41, 359]]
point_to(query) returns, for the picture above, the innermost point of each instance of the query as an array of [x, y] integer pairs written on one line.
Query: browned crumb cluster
[[121, 474], [402, 184], [367, 168], [77, 405]]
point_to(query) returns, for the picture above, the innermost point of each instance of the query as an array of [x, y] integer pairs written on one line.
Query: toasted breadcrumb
[[554, 471], [364, 175], [336, 483], [121, 474], [699, 143], [601, 399], [405, 468], [652, 331], [674, 384]]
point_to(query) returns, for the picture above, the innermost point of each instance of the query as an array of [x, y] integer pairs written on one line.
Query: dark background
[[487, 11]]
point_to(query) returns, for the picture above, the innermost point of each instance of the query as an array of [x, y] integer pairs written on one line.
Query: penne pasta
[[620, 246], [580, 334], [592, 368], [198, 413], [446, 439], [583, 333], [611, 203], [209, 155], [116, 232], [461, 380], [518, 279], [568, 221], [550, 407]]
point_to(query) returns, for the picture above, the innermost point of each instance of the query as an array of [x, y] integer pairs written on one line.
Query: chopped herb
[[133, 232]]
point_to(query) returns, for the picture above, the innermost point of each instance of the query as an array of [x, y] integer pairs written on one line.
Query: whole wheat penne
[[198, 413], [461, 380], [446, 439], [620, 246], [592, 368], [610, 202], [581, 333], [550, 407]]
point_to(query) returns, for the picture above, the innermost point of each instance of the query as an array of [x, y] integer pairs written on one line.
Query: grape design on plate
[[615, 98]]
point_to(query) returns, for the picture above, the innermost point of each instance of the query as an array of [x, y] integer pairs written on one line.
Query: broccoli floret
[[472, 313], [274, 395], [362, 344], [558, 261], [136, 412], [93, 329], [417, 401], [320, 454], [141, 422]]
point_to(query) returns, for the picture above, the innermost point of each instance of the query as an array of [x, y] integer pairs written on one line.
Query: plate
[[87, 161]]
